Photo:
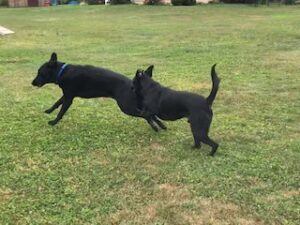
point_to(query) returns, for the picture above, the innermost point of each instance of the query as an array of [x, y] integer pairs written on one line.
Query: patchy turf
[[99, 166]]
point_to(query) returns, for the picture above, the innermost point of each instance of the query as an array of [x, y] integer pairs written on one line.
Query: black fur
[[167, 104], [89, 82]]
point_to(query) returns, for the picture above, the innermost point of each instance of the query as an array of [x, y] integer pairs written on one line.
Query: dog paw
[[48, 111], [196, 146], [212, 153], [155, 129], [52, 122], [163, 127]]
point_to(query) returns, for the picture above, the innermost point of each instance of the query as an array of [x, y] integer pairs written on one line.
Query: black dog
[[168, 104], [89, 82]]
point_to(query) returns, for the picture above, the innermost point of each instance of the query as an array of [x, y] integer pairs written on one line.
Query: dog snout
[[36, 83]]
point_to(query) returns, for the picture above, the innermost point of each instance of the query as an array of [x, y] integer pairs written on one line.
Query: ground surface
[[99, 166]]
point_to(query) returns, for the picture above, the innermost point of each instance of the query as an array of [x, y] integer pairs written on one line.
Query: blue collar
[[61, 71]]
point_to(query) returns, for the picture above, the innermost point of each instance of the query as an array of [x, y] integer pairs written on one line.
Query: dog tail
[[215, 86]]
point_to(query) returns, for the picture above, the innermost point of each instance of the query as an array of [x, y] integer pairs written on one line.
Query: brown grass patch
[[172, 193], [218, 213], [150, 213], [281, 195], [175, 204], [292, 193], [29, 165], [98, 157], [5, 195], [152, 158], [156, 146], [283, 57]]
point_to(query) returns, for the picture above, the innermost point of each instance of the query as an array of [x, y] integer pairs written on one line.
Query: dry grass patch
[[173, 204], [5, 195], [292, 193], [281, 195], [217, 213], [278, 58], [99, 157], [156, 146], [238, 98], [151, 158]]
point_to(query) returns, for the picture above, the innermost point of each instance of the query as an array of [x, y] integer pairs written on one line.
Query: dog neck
[[60, 72]]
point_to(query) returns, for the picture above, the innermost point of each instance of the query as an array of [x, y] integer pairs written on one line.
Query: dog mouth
[[36, 84]]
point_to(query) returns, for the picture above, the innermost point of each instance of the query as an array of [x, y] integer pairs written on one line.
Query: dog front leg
[[159, 123], [152, 124], [67, 102], [149, 117], [55, 105]]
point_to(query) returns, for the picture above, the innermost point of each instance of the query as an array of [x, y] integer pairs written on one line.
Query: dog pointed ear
[[149, 70], [53, 57]]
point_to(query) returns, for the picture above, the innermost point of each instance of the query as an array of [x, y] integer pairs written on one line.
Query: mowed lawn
[[99, 166]]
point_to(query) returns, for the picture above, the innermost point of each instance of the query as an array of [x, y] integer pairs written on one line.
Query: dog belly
[[93, 94], [171, 110], [170, 116]]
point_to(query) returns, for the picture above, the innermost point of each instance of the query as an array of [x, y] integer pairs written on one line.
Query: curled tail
[[215, 86]]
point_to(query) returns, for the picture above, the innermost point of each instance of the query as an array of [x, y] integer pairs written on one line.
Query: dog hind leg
[[206, 140], [196, 133]]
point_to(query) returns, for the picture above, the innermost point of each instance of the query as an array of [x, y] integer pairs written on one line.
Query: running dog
[[89, 82], [168, 104]]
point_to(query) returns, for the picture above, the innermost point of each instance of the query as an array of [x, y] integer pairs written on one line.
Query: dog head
[[140, 76], [47, 72]]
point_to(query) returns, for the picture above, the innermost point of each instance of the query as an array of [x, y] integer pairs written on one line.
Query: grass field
[[99, 166]]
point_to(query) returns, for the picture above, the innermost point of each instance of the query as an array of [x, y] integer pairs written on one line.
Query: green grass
[[99, 166]]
